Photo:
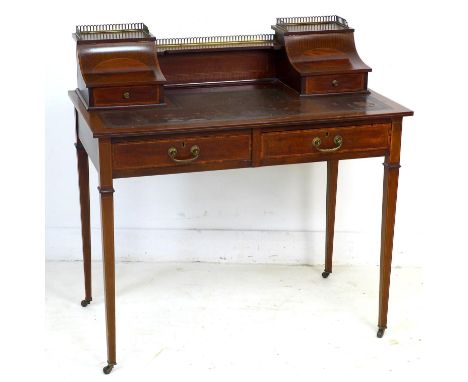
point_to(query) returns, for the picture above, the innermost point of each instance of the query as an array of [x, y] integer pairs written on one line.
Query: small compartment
[[117, 65], [334, 83], [126, 95]]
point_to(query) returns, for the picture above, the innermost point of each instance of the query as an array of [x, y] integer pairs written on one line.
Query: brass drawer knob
[[194, 150], [335, 83], [126, 95], [338, 140]]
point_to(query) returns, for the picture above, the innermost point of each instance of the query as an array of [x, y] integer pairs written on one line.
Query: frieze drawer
[[182, 153], [315, 144]]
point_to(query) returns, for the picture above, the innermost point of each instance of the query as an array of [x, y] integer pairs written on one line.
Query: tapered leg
[[106, 191], [83, 181], [390, 187], [332, 179]]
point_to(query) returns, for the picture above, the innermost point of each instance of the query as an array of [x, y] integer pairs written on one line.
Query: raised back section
[[124, 65]]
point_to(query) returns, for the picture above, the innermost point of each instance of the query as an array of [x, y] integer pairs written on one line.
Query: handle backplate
[[338, 140], [194, 150]]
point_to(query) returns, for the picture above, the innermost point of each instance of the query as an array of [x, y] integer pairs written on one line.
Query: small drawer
[[296, 146], [339, 83], [130, 95], [182, 153]]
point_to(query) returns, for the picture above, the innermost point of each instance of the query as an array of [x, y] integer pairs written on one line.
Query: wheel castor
[[107, 369], [325, 274], [380, 332], [85, 302]]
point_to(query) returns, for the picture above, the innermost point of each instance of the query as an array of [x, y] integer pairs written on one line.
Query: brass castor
[[85, 302], [107, 369], [380, 332], [325, 274]]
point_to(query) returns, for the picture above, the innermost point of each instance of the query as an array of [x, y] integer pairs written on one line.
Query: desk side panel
[[89, 143]]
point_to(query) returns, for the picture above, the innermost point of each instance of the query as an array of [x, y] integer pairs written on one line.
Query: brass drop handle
[[338, 142], [194, 150], [335, 83], [126, 95]]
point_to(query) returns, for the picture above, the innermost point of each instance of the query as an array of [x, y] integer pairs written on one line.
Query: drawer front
[[182, 153], [339, 83], [297, 146], [121, 96]]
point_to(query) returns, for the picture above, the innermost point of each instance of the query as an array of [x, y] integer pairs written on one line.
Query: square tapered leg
[[106, 191], [332, 180], [390, 187], [83, 182]]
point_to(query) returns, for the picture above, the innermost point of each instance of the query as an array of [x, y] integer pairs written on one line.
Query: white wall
[[273, 214]]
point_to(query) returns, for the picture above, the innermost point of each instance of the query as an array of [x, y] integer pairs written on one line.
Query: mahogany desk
[[225, 127]]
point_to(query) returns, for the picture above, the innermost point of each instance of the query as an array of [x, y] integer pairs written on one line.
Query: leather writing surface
[[244, 105]]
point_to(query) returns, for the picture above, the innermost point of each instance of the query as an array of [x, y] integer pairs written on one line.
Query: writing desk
[[226, 124], [232, 127]]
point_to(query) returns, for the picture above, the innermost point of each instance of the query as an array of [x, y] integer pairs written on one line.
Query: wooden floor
[[205, 321]]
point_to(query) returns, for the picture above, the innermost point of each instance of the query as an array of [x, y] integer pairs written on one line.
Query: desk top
[[266, 105]]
